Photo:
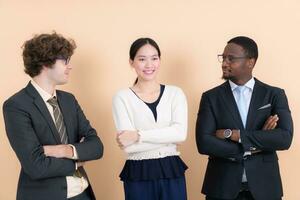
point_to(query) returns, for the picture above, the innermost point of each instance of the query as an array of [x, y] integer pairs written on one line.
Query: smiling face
[[146, 63], [236, 65]]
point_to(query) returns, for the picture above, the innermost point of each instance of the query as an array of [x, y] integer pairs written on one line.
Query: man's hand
[[58, 151], [126, 138], [271, 122]]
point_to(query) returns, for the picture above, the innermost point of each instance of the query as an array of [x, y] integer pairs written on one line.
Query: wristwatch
[[227, 133]]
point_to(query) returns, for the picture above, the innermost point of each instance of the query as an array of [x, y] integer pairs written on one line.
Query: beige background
[[190, 34]]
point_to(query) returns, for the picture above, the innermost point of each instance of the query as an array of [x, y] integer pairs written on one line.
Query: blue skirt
[[153, 169]]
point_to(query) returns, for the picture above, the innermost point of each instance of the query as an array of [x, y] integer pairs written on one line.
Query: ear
[[251, 63], [130, 62], [44, 68]]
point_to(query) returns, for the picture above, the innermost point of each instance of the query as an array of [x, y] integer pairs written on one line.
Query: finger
[[273, 122], [268, 123], [273, 125]]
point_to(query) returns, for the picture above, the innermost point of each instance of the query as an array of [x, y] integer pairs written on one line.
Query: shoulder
[[268, 87], [216, 90], [65, 96], [122, 95], [174, 90], [19, 99]]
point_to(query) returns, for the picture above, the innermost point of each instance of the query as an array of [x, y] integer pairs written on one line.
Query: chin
[[62, 82], [224, 77]]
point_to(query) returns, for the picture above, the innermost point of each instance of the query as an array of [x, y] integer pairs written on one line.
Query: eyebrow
[[155, 55]]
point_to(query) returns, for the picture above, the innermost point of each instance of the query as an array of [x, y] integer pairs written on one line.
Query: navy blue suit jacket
[[218, 110]]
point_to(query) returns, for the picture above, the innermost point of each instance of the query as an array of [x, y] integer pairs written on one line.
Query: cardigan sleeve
[[123, 122], [177, 130], [121, 115]]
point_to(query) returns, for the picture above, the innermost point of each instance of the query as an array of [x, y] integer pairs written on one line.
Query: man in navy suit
[[47, 128], [240, 126]]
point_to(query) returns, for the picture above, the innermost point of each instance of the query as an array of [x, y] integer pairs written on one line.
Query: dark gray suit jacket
[[29, 126], [218, 110]]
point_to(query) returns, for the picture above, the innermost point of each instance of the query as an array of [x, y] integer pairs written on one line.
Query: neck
[[147, 86], [242, 81], [45, 84]]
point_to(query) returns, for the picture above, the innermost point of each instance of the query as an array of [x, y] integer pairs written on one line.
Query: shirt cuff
[[247, 153], [75, 155]]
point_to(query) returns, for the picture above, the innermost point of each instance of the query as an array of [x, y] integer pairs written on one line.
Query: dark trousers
[[85, 195], [161, 189], [243, 195]]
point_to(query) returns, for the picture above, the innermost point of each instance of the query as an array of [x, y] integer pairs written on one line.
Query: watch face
[[227, 133]]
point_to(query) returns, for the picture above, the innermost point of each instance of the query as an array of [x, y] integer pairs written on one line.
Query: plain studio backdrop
[[190, 34]]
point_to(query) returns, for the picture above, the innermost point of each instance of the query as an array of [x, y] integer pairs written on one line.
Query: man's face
[[58, 74], [236, 66]]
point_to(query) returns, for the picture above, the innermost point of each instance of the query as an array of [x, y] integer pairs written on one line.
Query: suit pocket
[[268, 109], [270, 158]]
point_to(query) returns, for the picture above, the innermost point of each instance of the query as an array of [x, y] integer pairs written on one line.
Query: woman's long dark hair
[[136, 45]]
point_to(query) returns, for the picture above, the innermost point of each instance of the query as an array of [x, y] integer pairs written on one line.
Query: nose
[[148, 64], [69, 66], [225, 62]]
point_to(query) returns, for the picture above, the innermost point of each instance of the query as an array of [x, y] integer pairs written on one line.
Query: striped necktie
[[59, 120], [60, 125]]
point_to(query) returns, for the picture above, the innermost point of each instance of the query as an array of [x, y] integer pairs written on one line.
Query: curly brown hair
[[43, 50]]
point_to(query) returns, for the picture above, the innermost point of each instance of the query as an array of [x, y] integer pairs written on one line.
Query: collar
[[45, 95], [249, 84]]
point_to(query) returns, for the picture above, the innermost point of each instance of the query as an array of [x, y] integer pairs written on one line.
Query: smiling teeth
[[149, 72]]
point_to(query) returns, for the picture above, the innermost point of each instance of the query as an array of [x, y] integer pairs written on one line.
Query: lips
[[226, 71], [148, 72]]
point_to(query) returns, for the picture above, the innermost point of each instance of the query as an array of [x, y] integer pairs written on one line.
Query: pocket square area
[[265, 106]]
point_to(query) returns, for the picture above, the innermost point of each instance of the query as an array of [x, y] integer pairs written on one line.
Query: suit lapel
[[66, 112], [40, 104], [230, 103], [257, 99]]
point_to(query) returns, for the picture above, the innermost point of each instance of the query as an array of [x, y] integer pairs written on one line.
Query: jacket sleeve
[[207, 142], [279, 138], [91, 148], [27, 147]]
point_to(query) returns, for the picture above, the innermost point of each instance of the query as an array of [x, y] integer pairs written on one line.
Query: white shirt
[[75, 185], [247, 92], [159, 138]]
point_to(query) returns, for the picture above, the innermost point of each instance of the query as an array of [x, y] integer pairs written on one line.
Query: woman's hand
[[126, 138]]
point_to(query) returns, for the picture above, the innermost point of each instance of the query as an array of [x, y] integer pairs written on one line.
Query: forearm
[[213, 146], [59, 151], [172, 134], [266, 140], [38, 166], [90, 149]]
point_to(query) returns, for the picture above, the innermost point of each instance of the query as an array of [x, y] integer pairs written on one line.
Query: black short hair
[[249, 45], [43, 50]]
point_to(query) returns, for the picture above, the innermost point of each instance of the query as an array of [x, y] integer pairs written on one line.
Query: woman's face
[[146, 63]]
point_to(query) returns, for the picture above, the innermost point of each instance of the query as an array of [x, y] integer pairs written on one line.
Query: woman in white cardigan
[[151, 120]]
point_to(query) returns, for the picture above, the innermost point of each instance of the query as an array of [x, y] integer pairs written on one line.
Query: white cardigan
[[157, 139]]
